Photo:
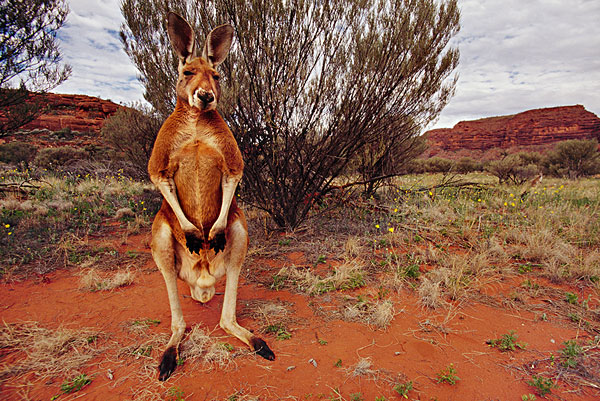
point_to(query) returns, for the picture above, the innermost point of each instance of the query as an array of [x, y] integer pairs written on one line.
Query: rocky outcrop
[[530, 129], [78, 112]]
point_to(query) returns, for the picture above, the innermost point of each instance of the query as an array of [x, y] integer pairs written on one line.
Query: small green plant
[[132, 254], [146, 322], [571, 298], [279, 330], [278, 282], [322, 342], [175, 394], [531, 285], [508, 342], [410, 270], [381, 398], [75, 384], [142, 351], [356, 397], [227, 347], [528, 397], [543, 385], [403, 389], [570, 352], [338, 363], [285, 242], [337, 396], [448, 375], [321, 259]]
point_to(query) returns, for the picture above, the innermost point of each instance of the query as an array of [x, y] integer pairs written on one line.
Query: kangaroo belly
[[198, 183]]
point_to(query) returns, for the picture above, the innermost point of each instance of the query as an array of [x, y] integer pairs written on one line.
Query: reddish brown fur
[[200, 234]]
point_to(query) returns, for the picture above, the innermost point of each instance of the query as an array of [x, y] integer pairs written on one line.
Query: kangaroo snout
[[206, 97]]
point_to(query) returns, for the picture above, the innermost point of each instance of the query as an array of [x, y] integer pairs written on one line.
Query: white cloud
[[90, 44], [519, 55], [515, 55]]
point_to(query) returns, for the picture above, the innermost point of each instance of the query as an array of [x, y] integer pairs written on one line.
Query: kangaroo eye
[[216, 77], [188, 73]]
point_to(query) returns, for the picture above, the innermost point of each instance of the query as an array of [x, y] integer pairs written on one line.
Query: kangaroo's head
[[198, 83]]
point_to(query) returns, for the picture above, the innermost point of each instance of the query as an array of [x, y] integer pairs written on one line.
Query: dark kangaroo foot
[[167, 364], [218, 243], [262, 349]]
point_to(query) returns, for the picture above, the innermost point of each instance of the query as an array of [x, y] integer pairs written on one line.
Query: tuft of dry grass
[[352, 248], [93, 281], [47, 353], [200, 346], [361, 368], [349, 275], [430, 293], [378, 314]]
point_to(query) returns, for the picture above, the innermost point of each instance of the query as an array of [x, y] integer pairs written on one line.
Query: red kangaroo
[[200, 233]]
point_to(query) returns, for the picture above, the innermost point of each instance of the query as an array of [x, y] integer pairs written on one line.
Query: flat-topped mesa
[[530, 128], [77, 112]]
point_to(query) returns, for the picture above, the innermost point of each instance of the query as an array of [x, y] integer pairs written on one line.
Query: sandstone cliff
[[533, 129], [77, 112]]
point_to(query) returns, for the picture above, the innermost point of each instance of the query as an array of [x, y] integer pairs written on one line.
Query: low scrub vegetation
[[568, 159], [46, 220]]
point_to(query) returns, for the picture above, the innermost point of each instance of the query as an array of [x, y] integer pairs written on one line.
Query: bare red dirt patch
[[325, 357]]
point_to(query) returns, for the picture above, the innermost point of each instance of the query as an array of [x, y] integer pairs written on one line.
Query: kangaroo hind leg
[[235, 252], [163, 252]]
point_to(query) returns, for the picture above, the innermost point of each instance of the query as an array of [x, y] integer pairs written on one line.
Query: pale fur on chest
[[192, 132]]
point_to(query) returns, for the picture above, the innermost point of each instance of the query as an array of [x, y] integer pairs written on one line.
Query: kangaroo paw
[[193, 242], [218, 242], [167, 364], [262, 348]]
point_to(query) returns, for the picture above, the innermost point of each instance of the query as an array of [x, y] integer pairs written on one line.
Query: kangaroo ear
[[217, 45], [182, 37]]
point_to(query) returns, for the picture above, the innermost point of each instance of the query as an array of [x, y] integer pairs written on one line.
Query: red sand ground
[[414, 346]]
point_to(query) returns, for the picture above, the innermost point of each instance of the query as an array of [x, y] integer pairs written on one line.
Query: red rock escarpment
[[77, 112], [527, 129]]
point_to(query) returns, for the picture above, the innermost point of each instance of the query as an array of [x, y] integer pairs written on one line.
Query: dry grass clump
[[352, 248], [378, 314], [200, 346], [430, 293], [361, 368], [268, 312], [47, 353], [349, 275], [92, 281]]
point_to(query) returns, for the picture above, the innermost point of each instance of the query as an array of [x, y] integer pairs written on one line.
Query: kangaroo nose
[[206, 97]]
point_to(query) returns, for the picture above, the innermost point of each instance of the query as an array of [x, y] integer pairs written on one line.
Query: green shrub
[[132, 132], [439, 165], [574, 158], [17, 152], [468, 165], [57, 158], [516, 168]]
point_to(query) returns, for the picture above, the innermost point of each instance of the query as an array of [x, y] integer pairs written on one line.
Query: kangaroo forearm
[[167, 189]]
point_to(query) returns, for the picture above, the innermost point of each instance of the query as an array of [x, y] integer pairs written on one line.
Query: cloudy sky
[[515, 55]]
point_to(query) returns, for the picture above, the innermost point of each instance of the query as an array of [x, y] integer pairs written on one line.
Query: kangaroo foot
[[167, 364], [262, 348]]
